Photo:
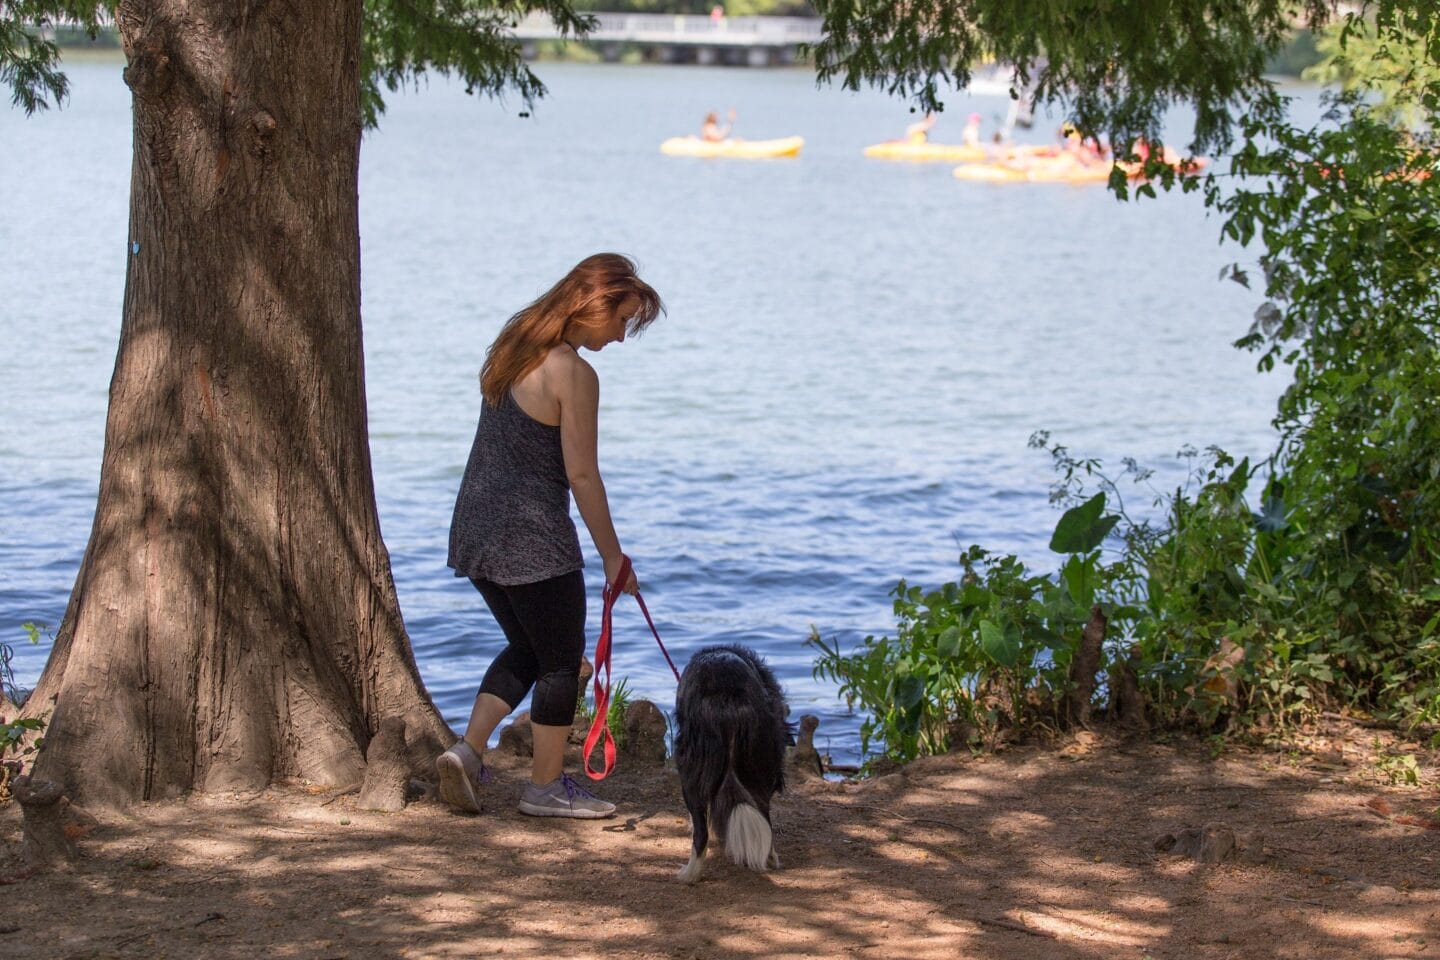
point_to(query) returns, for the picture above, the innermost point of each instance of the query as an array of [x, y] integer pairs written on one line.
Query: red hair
[[587, 297]]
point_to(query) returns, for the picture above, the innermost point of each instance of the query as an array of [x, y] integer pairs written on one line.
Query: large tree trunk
[[234, 621]]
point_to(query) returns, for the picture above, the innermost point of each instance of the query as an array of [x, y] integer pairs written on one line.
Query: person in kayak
[[1083, 151], [919, 131], [970, 136], [712, 132]]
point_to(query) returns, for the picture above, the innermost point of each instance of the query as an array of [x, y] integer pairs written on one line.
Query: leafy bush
[[14, 732], [979, 655], [1324, 594]]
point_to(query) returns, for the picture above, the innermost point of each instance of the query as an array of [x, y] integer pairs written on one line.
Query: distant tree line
[[1290, 61]]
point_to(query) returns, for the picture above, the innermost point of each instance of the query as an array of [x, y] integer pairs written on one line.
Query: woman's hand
[[612, 570]]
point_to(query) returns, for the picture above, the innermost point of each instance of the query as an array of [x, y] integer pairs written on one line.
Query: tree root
[[387, 770], [46, 843]]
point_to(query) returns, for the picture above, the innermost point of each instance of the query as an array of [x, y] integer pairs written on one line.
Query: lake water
[[855, 353]]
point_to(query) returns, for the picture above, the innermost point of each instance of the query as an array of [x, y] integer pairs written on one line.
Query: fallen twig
[[18, 877], [893, 815], [1359, 721], [338, 794], [1313, 816], [1312, 903], [1012, 925], [159, 930]]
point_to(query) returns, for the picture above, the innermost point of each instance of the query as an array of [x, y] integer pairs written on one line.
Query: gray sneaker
[[462, 773], [563, 797]]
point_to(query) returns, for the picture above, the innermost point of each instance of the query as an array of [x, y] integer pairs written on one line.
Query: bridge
[[681, 38]]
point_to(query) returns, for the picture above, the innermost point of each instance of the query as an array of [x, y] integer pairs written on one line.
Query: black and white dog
[[730, 737]]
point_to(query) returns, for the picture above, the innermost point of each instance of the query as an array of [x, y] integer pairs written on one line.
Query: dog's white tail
[[748, 839]]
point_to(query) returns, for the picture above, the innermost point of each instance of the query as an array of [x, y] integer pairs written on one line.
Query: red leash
[[600, 726]]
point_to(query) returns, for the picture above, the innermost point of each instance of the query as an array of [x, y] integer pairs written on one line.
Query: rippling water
[[855, 353]]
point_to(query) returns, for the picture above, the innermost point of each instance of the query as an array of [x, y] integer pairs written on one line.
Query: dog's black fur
[[730, 738]]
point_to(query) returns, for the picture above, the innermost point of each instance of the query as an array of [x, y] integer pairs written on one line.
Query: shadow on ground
[[1032, 853]]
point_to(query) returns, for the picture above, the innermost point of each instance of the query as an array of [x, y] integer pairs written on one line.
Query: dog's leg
[[690, 873], [699, 840], [772, 859]]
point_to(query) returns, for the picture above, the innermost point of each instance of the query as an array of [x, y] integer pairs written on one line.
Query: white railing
[[660, 28]]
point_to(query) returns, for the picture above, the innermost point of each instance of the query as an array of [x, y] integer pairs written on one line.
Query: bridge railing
[[683, 29]]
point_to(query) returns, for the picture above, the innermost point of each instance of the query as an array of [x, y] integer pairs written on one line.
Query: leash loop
[[600, 726]]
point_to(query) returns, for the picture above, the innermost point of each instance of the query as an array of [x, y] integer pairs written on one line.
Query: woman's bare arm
[[578, 390]]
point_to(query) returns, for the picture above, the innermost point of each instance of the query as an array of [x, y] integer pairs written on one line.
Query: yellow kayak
[[745, 149], [992, 172], [1059, 169], [925, 152], [1036, 171]]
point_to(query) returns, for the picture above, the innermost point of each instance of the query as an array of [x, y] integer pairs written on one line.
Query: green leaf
[[908, 692], [1079, 574], [1001, 642], [1271, 518], [1084, 527], [949, 643], [974, 596]]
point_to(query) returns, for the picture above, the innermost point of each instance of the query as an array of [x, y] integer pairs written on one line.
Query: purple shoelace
[[573, 789], [483, 777]]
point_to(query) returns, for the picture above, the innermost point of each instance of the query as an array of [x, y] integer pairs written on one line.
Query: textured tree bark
[[234, 621], [1127, 703], [1084, 667], [387, 773], [45, 841]]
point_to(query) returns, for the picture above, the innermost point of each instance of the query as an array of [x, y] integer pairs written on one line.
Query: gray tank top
[[512, 518]]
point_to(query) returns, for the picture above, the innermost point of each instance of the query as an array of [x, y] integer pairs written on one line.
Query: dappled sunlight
[[1141, 903], [954, 859], [1028, 824], [1374, 923], [223, 849], [1112, 925]]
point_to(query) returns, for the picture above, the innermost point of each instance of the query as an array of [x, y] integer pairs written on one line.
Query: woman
[[712, 132], [512, 534], [919, 131], [970, 136]]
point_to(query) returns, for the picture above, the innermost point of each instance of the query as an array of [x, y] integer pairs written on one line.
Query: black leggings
[[545, 625]]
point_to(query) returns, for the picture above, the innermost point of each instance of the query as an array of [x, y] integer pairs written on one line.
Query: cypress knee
[[387, 770], [1084, 667], [46, 842]]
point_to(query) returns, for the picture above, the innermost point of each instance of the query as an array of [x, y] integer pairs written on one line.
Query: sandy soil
[[1034, 852]]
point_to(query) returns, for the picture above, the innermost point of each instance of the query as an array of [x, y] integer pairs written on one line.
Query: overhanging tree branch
[[1117, 65]]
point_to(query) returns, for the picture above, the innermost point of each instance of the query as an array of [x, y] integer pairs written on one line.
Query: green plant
[[19, 737], [620, 698], [1400, 768], [1287, 676], [989, 651]]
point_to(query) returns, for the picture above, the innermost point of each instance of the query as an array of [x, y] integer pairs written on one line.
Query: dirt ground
[[1038, 851]]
